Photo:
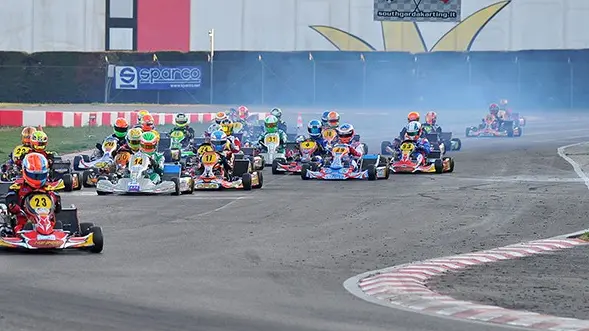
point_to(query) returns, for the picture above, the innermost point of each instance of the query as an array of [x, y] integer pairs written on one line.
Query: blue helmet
[[219, 140], [324, 117], [314, 128]]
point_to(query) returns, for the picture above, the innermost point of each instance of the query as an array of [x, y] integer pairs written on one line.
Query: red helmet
[[493, 108], [243, 112]]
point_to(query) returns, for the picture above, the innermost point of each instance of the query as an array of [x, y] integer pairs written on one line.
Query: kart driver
[[181, 124], [411, 117], [430, 125], [38, 145], [494, 112], [227, 128], [324, 118], [134, 139], [243, 113], [422, 146], [148, 125], [148, 145], [332, 121], [314, 129], [222, 146], [35, 171], [345, 134], [271, 126], [23, 148], [220, 116], [277, 112], [140, 115], [120, 128]]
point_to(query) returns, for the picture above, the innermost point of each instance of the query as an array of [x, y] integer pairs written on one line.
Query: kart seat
[[240, 167]]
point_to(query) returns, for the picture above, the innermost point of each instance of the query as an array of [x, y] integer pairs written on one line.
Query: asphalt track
[[276, 258]]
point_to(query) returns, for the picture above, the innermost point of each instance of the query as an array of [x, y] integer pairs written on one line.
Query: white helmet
[[413, 130]]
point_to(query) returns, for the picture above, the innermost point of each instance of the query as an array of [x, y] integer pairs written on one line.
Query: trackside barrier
[[18, 118]]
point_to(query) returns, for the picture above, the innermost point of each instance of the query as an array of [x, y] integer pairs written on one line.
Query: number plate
[[42, 237], [133, 187]]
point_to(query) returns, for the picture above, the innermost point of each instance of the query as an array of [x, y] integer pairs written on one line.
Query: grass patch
[[584, 236], [69, 140]]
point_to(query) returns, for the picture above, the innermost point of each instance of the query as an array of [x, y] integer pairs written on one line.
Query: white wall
[[274, 25], [52, 25]]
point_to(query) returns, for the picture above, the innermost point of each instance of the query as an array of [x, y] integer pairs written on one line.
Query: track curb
[[405, 286]]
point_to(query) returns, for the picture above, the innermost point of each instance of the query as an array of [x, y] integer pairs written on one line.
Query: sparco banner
[[417, 10], [157, 78]]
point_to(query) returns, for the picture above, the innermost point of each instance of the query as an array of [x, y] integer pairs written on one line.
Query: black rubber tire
[[98, 240]]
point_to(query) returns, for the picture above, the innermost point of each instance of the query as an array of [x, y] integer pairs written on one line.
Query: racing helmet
[[324, 117], [345, 133], [243, 112], [147, 123], [493, 109], [271, 124], [35, 169], [431, 118], [25, 135], [219, 140], [333, 119], [276, 112], [413, 130], [39, 140], [227, 126], [220, 116], [148, 143], [314, 129], [180, 120], [121, 127], [140, 115], [413, 116], [134, 139]]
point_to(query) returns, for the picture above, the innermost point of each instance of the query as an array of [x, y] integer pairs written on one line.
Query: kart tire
[[372, 172], [77, 183], [85, 178], [176, 186], [260, 180], [76, 162], [451, 167], [68, 182], [383, 147], [439, 166], [458, 143], [304, 169], [98, 240], [191, 186], [275, 164], [246, 181], [85, 228], [102, 193]]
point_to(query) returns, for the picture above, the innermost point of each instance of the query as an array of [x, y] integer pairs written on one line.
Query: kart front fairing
[[141, 185], [204, 182]]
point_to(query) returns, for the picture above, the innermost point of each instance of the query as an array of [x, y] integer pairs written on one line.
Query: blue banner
[[157, 78]]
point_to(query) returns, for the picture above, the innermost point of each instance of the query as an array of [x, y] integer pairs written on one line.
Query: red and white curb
[[405, 286]]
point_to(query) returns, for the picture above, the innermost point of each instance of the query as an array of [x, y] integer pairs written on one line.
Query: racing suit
[[282, 125], [429, 128], [120, 142], [188, 132], [48, 155], [354, 155], [321, 146], [12, 159], [157, 166], [281, 145], [16, 196], [422, 147]]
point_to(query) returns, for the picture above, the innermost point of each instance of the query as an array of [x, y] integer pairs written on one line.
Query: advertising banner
[[157, 78], [417, 10]]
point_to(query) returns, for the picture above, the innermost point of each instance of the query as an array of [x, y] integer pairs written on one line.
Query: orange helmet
[[413, 116], [39, 140], [121, 127], [431, 118], [35, 168], [147, 123], [333, 118], [220, 116], [26, 134]]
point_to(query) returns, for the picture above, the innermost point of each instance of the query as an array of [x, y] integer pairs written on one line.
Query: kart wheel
[[76, 162], [86, 178], [383, 147], [176, 186], [191, 190], [102, 193], [275, 164], [68, 182], [246, 181], [304, 170], [451, 166], [439, 166], [77, 182], [86, 228], [98, 239], [456, 144], [260, 180], [371, 172]]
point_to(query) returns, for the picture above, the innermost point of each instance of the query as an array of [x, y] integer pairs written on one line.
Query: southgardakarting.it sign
[[417, 10], [157, 78]]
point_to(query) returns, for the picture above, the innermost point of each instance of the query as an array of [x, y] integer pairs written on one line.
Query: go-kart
[[62, 169], [371, 167], [494, 128], [300, 157], [140, 179], [407, 160], [47, 230], [213, 177], [272, 143], [100, 166]]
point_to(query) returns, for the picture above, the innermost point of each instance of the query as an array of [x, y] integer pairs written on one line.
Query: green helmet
[[276, 112], [271, 124], [148, 142], [181, 120]]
